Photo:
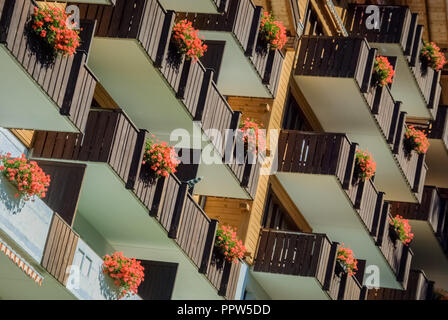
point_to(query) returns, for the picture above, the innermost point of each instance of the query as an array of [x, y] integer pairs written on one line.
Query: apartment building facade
[[86, 119]]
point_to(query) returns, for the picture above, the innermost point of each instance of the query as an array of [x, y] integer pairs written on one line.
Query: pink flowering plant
[[432, 54], [416, 140], [127, 273], [187, 40], [253, 135], [27, 176], [161, 158], [347, 259], [50, 24], [403, 229], [365, 166], [273, 31], [383, 71], [227, 242]]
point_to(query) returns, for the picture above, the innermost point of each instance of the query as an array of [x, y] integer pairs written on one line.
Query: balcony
[[437, 155], [200, 6], [398, 34], [353, 104], [244, 68], [135, 66], [55, 94], [419, 288], [311, 165], [428, 221], [111, 152], [288, 261], [47, 243]]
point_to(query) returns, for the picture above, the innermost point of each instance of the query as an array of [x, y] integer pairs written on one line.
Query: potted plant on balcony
[[228, 245], [159, 160], [365, 166], [272, 34], [432, 56], [253, 136], [185, 42], [415, 140], [126, 273], [400, 229], [50, 26], [29, 179], [383, 72], [345, 261]]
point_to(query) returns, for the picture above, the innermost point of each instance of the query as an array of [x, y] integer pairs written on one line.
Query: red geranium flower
[[417, 140], [51, 25], [26, 175], [273, 31], [403, 229], [188, 41], [161, 157], [127, 273], [431, 52], [227, 241], [346, 257], [383, 70]]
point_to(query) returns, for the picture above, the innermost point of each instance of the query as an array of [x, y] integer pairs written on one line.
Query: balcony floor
[[352, 116], [197, 6], [336, 217], [405, 87], [125, 223], [437, 159], [289, 287], [24, 104], [237, 76]]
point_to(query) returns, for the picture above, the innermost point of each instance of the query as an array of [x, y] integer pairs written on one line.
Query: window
[[294, 118], [276, 217]]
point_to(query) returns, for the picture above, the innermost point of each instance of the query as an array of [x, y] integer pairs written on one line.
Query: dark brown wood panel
[[439, 128], [294, 253], [159, 280], [62, 197]]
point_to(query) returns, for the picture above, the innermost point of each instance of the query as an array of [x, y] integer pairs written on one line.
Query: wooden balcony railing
[[110, 137], [412, 164], [349, 58], [433, 209], [398, 255], [242, 18], [59, 249], [419, 288], [399, 26], [66, 80], [439, 128], [330, 154], [315, 153], [394, 26], [300, 254]]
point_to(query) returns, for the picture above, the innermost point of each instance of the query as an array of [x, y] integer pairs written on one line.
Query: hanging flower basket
[[227, 243], [416, 140], [159, 160], [432, 55], [402, 229], [253, 135], [30, 180], [187, 41], [347, 261], [365, 166], [272, 32], [126, 273], [50, 24], [383, 72]]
